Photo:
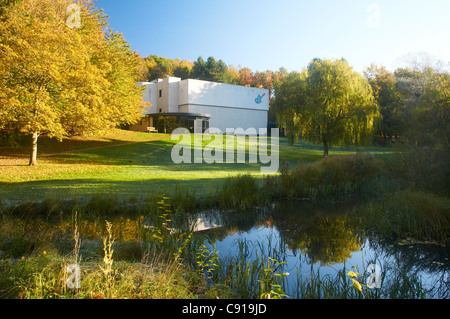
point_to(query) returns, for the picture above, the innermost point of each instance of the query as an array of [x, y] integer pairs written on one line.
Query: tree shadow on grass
[[48, 146], [13, 165], [15, 193], [155, 153]]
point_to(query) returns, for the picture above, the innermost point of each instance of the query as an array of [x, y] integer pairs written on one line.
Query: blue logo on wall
[[258, 100]]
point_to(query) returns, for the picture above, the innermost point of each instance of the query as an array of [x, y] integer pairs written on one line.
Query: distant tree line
[[156, 67], [409, 97], [403, 96]]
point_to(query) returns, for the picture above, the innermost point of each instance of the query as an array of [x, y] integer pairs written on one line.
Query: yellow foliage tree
[[59, 80], [328, 103]]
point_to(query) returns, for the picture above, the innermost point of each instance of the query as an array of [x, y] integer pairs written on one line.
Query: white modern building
[[196, 104]]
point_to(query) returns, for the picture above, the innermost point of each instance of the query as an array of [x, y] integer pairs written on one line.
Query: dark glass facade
[[168, 122]]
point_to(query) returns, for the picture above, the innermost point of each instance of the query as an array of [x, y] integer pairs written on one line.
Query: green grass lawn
[[107, 165]]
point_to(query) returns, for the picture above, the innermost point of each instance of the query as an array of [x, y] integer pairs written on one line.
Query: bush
[[336, 176], [426, 167]]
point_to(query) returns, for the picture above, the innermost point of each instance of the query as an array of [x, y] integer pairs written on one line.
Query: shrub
[[336, 176]]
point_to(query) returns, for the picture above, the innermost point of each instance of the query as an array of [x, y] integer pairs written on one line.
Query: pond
[[307, 249], [317, 242]]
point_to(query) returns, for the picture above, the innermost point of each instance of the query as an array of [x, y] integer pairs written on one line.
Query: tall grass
[[338, 176], [41, 271], [408, 213], [254, 270], [396, 284], [166, 262], [174, 265], [44, 278], [239, 193]]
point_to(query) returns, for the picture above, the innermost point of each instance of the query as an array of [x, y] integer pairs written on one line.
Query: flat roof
[[179, 114]]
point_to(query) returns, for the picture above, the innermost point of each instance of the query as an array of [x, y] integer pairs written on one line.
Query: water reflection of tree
[[424, 257], [216, 234], [328, 241], [411, 260], [321, 233]]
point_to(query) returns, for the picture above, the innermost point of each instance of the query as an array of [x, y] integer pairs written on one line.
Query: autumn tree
[[58, 80], [183, 69], [432, 114], [264, 79], [334, 105], [209, 70], [124, 97], [289, 95], [160, 67], [425, 146], [246, 77], [389, 99]]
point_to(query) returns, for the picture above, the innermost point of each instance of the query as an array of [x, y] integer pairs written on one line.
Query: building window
[[205, 125], [160, 93]]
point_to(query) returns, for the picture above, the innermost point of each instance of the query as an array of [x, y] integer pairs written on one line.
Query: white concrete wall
[[184, 108], [153, 88], [226, 117], [163, 100], [225, 95], [173, 84], [168, 102], [183, 92], [230, 106], [149, 95]]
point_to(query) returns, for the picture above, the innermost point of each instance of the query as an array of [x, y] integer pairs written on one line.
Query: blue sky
[[266, 35]]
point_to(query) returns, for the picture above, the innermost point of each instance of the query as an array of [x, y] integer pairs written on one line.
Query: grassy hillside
[[125, 163]]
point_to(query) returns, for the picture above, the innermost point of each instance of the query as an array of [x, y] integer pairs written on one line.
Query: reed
[[255, 270], [397, 283], [239, 193], [107, 269], [338, 176], [408, 214], [175, 264]]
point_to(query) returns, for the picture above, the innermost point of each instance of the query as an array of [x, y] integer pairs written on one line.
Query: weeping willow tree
[[329, 104]]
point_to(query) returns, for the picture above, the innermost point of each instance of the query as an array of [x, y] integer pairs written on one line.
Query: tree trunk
[[33, 157], [325, 150]]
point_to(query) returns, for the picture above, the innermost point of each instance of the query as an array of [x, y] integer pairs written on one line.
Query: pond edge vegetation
[[176, 265]]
